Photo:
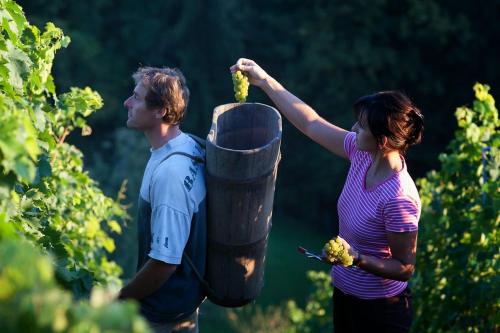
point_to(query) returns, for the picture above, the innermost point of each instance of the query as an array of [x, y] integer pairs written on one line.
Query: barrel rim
[[213, 128]]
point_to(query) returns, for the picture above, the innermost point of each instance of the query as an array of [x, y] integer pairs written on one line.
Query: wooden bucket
[[243, 151]]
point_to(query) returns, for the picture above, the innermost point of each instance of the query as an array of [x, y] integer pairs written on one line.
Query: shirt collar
[[171, 144]]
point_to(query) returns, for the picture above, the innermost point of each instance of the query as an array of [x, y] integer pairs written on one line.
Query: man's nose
[[125, 104]]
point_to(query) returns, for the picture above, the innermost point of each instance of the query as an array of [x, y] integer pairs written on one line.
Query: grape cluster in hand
[[240, 83], [336, 253]]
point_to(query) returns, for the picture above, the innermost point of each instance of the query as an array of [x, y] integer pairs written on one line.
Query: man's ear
[[160, 113]]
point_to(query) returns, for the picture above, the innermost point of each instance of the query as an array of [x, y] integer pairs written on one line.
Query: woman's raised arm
[[301, 115]]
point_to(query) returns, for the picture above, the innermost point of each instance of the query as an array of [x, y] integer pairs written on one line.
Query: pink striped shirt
[[365, 217]]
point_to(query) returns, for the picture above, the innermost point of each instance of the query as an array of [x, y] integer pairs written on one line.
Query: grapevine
[[55, 222], [458, 258], [46, 196]]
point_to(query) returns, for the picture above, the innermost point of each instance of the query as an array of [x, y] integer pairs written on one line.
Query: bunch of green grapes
[[335, 252], [240, 83]]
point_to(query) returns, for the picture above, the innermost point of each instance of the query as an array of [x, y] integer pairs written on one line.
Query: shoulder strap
[[198, 140], [208, 290], [197, 159]]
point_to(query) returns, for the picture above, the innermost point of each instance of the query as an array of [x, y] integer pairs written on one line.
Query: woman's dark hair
[[391, 114]]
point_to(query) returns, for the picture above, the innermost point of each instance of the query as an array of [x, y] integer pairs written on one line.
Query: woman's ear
[[383, 143]]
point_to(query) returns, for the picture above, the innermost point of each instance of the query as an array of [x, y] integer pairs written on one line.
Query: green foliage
[[317, 314], [31, 301], [456, 286], [257, 319], [45, 195], [47, 200], [315, 317]]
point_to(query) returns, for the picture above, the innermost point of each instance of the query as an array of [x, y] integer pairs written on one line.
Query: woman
[[379, 207]]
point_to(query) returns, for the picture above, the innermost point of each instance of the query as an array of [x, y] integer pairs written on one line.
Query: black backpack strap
[[198, 140], [197, 159], [208, 290]]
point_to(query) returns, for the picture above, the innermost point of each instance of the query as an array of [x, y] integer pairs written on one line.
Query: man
[[171, 218]]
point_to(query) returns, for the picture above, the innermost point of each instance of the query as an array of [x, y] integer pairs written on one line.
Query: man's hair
[[165, 89]]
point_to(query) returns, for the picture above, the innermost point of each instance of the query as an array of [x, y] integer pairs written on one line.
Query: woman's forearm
[[296, 111], [301, 115], [389, 268]]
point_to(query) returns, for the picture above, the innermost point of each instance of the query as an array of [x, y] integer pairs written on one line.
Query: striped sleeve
[[350, 144], [401, 214]]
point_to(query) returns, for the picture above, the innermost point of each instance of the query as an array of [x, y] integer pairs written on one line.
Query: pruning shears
[[310, 254]]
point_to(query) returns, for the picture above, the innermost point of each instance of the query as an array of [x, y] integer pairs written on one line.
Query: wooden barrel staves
[[243, 151]]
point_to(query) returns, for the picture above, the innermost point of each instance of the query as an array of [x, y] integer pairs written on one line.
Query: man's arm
[[151, 277]]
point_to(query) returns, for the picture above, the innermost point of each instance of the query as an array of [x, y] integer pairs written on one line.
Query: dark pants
[[386, 315]]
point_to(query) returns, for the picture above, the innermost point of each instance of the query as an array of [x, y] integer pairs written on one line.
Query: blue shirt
[[171, 221]]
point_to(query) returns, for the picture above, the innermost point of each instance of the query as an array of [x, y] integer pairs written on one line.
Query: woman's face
[[364, 138]]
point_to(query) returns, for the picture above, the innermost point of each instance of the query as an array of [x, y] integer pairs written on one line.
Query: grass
[[285, 273]]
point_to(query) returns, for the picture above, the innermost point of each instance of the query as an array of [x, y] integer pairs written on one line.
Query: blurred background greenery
[[329, 53]]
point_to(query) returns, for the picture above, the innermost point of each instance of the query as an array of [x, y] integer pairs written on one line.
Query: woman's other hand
[[352, 251]]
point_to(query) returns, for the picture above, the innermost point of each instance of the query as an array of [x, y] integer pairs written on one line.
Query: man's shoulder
[[179, 161], [187, 145], [184, 149], [181, 166]]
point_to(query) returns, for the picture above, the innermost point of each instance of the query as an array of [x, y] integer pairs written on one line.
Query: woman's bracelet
[[356, 259]]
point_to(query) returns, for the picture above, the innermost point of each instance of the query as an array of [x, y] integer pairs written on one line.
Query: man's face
[[139, 116]]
